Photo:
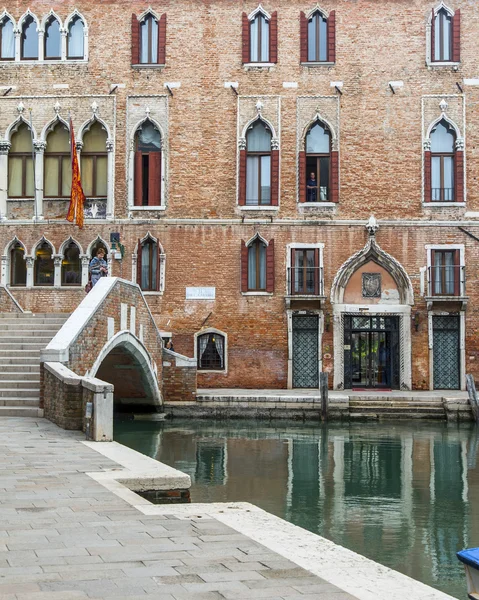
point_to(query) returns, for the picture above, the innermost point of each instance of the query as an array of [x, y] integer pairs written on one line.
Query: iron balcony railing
[[305, 281], [319, 193], [449, 280], [442, 195]]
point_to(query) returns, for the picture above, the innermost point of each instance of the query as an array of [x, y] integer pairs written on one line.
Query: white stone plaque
[[200, 293]]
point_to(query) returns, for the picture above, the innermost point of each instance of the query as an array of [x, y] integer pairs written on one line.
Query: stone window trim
[[224, 371], [136, 22], [131, 167], [41, 25], [40, 145], [459, 164], [161, 264], [330, 19], [455, 60], [300, 246], [430, 248], [268, 266], [462, 346]]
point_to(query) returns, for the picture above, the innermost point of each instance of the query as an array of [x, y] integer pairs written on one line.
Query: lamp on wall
[[415, 319]]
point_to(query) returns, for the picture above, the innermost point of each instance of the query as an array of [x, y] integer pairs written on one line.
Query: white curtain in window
[[264, 40], [252, 175], [265, 179], [312, 39], [323, 39], [75, 39], [145, 267], [449, 179], [262, 266], [220, 348], [254, 32], [203, 343], [449, 275], [154, 41], [252, 267], [8, 40], [436, 178]]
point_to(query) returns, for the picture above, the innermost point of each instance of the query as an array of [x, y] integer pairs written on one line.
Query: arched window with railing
[[443, 140], [147, 169], [318, 163]]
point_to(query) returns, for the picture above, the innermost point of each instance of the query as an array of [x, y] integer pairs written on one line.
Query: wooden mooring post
[[473, 401], [323, 389]]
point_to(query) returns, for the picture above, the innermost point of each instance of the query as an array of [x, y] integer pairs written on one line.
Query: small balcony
[[442, 195], [305, 284], [319, 193], [446, 283]]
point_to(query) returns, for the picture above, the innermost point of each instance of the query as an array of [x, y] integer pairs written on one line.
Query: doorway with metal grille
[[446, 352], [305, 351]]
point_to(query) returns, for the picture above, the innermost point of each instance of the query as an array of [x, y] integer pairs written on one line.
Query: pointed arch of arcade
[[129, 342]]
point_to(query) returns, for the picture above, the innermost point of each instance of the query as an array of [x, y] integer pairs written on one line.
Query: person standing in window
[[169, 345], [98, 266], [312, 187]]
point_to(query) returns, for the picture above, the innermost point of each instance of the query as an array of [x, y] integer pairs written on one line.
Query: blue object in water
[[470, 558]]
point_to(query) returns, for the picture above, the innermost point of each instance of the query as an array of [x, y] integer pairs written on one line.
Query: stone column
[[57, 277], [110, 145], [18, 34], [41, 45], [85, 261], [5, 146], [5, 278], [63, 51], [30, 260], [39, 147]]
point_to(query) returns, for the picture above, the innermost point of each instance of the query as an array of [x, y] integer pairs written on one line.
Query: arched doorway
[[372, 297]]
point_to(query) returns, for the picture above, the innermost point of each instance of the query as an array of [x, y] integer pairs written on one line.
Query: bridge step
[[22, 337]]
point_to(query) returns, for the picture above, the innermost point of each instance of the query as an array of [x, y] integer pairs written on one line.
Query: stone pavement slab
[[64, 536]]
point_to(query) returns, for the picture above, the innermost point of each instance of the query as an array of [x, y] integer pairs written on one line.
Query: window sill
[[443, 64], [75, 61], [223, 371], [152, 293], [443, 204], [317, 64], [148, 66], [259, 207], [257, 294], [260, 66], [317, 204], [20, 199], [132, 208]]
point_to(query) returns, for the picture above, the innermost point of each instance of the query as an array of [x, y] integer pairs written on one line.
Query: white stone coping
[[180, 359], [58, 348], [11, 297], [66, 375], [139, 472]]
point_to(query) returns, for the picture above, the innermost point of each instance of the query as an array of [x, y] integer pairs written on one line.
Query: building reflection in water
[[399, 494]]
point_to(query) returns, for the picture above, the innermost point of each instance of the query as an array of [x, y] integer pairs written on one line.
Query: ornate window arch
[[71, 263], [29, 27], [149, 34], [257, 273], [76, 30], [57, 160], [443, 43], [52, 36], [44, 266], [318, 146], [148, 164], [94, 160], [7, 36], [20, 160], [318, 36], [15, 266], [211, 350], [259, 35], [258, 164], [149, 264]]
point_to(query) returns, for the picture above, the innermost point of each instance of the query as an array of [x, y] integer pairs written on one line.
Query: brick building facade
[[199, 126]]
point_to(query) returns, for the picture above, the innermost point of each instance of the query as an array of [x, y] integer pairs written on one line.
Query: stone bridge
[[110, 351]]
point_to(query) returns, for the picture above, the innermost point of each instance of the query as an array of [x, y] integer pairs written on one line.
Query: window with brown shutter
[[445, 36], [135, 40], [456, 36], [148, 265], [318, 37], [147, 168], [258, 165], [317, 170], [245, 39], [273, 38], [270, 267], [443, 163], [162, 40]]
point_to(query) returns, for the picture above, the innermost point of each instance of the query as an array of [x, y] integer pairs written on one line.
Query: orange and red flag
[[76, 209]]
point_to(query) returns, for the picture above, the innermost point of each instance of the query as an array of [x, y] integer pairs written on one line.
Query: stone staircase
[[405, 406], [22, 336]]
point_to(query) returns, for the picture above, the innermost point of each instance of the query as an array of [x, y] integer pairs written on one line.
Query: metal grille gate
[[446, 362], [305, 352]]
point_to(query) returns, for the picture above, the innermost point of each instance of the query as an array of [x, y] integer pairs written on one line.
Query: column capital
[[5, 146]]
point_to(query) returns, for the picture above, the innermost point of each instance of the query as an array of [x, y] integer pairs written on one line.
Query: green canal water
[[401, 494]]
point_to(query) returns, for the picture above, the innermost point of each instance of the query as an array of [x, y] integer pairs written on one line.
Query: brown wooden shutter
[[158, 263], [138, 263], [138, 179], [273, 38], [332, 36], [459, 176], [244, 267], [270, 267], [334, 176], [433, 36], [242, 178], [303, 36], [154, 179], [302, 176], [162, 40], [135, 40], [316, 271], [245, 39], [427, 176], [456, 36], [274, 177], [457, 273]]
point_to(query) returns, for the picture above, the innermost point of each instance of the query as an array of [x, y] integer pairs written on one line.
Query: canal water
[[400, 494]]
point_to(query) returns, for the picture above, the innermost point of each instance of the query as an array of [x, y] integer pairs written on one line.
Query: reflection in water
[[399, 494]]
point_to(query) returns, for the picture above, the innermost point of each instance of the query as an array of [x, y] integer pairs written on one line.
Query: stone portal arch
[[125, 362]]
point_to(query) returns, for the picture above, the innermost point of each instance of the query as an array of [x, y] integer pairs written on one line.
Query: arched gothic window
[[7, 40], [148, 265], [71, 265], [44, 265], [211, 351], [443, 140], [257, 266], [149, 40], [94, 162], [442, 42], [76, 39], [58, 169], [20, 164], [258, 164], [147, 175], [18, 265], [317, 38], [53, 44], [318, 158], [259, 38], [29, 39]]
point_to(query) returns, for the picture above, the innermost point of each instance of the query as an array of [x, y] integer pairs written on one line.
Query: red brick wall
[[179, 383]]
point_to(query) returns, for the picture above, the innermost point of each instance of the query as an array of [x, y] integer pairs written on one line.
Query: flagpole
[[34, 170]]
